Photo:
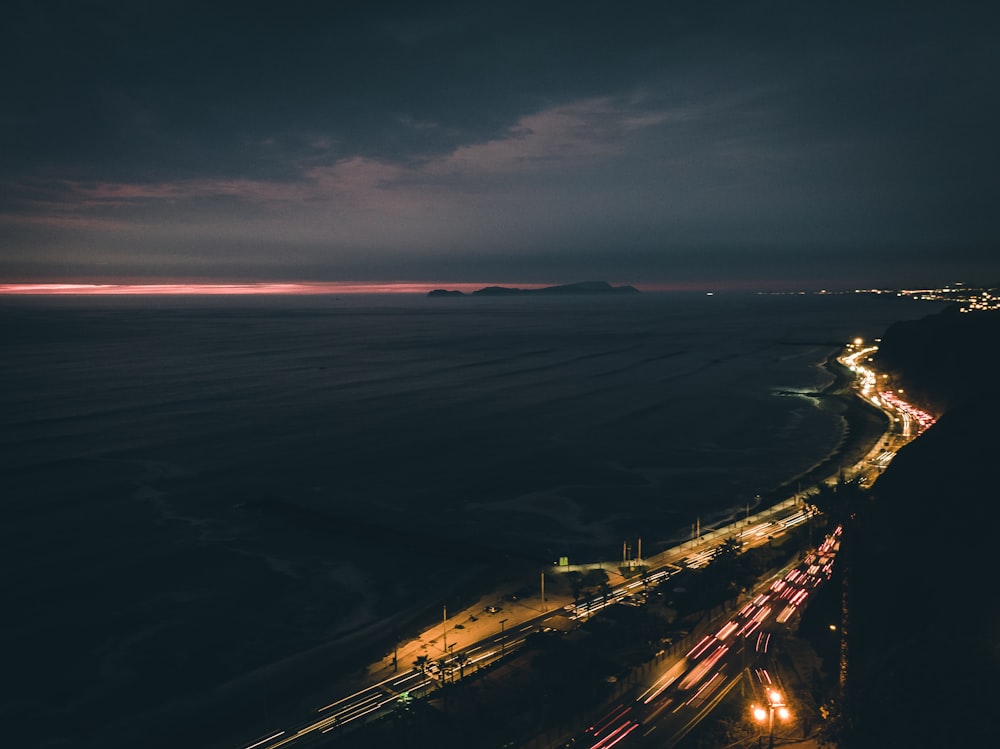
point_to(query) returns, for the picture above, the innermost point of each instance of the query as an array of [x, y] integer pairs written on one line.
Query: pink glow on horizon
[[82, 289], [320, 287]]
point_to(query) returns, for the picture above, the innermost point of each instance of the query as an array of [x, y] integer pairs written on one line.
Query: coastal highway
[[682, 692], [906, 421], [388, 694], [481, 645], [871, 387]]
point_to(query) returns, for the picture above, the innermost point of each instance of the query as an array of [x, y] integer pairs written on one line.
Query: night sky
[[663, 144]]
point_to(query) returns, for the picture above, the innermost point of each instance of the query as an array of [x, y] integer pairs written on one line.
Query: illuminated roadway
[[683, 691], [906, 421], [382, 697], [688, 690]]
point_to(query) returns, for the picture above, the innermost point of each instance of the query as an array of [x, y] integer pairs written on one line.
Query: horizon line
[[289, 288], [325, 288]]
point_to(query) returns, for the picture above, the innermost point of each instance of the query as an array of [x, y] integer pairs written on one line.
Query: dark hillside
[[921, 564], [943, 359]]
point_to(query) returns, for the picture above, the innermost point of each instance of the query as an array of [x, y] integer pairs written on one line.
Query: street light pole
[[775, 703], [502, 639], [770, 728]]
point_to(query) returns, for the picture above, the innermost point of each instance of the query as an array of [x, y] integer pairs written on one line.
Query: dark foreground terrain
[[917, 569]]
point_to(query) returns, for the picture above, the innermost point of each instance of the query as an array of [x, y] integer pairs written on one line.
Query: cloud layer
[[770, 145]]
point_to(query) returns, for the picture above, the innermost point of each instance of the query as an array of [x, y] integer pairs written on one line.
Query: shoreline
[[294, 682], [864, 426]]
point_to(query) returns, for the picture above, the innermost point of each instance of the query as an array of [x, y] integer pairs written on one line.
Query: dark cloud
[[375, 139]]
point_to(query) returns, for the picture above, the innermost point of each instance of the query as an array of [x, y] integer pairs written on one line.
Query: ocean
[[198, 488]]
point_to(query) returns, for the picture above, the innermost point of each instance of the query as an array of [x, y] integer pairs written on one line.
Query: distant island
[[583, 287]]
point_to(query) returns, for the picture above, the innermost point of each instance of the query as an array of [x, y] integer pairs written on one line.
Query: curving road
[[682, 693]]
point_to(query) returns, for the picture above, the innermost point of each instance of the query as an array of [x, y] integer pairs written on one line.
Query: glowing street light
[[775, 704]]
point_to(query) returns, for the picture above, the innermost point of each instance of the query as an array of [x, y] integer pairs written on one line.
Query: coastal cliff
[[916, 565], [942, 360]]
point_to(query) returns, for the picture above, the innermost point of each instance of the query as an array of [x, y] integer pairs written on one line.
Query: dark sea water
[[196, 488]]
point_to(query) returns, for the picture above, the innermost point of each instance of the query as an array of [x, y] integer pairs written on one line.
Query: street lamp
[[502, 622], [765, 713]]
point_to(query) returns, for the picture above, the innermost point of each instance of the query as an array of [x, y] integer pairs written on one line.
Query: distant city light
[[970, 298]]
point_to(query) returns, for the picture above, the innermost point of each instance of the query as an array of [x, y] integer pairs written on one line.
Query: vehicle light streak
[[272, 737], [786, 614], [701, 647], [608, 720], [411, 675], [661, 684], [761, 615], [763, 676], [336, 721], [617, 735], [749, 628], [727, 629], [698, 672], [707, 688], [656, 712]]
